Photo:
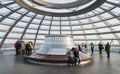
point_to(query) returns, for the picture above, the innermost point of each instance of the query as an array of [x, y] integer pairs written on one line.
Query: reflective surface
[[56, 45]]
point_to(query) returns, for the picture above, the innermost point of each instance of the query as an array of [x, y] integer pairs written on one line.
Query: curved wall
[[56, 45]]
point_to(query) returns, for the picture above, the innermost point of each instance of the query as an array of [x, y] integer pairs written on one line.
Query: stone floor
[[11, 64]]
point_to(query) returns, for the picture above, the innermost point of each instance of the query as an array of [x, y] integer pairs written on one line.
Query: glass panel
[[31, 31], [25, 18], [13, 6], [74, 22], [11, 22], [91, 37], [66, 32], [116, 28], [22, 11], [103, 30], [95, 19], [90, 31], [43, 32], [21, 24], [56, 23], [28, 36], [15, 29], [106, 15], [65, 28], [78, 37], [114, 21], [4, 11], [76, 27], [55, 28], [2, 34], [4, 27], [55, 32], [114, 1], [77, 32], [15, 15], [65, 23], [14, 35], [36, 21], [33, 26], [44, 27], [116, 11], [87, 26], [100, 24]]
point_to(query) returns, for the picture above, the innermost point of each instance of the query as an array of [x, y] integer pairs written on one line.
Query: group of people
[[73, 56], [23, 48], [101, 47]]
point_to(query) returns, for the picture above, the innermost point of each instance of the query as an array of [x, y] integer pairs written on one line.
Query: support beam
[[50, 25], [60, 26], [70, 26], [38, 32], [111, 13], [117, 5], [21, 38]]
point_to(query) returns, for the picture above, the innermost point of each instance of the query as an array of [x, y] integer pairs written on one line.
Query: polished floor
[[11, 64]]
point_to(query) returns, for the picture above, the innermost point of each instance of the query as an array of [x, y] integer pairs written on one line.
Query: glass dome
[[29, 20]]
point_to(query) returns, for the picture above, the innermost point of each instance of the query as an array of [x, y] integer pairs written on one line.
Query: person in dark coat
[[18, 47], [100, 46], [107, 49], [27, 48], [92, 48], [76, 57]]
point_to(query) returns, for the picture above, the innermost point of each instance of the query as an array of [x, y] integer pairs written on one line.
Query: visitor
[[17, 45], [92, 48], [31, 47], [76, 57], [100, 46], [107, 49], [28, 47]]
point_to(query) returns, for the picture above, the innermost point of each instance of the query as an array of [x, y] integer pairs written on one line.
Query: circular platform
[[47, 58], [52, 59], [54, 51]]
